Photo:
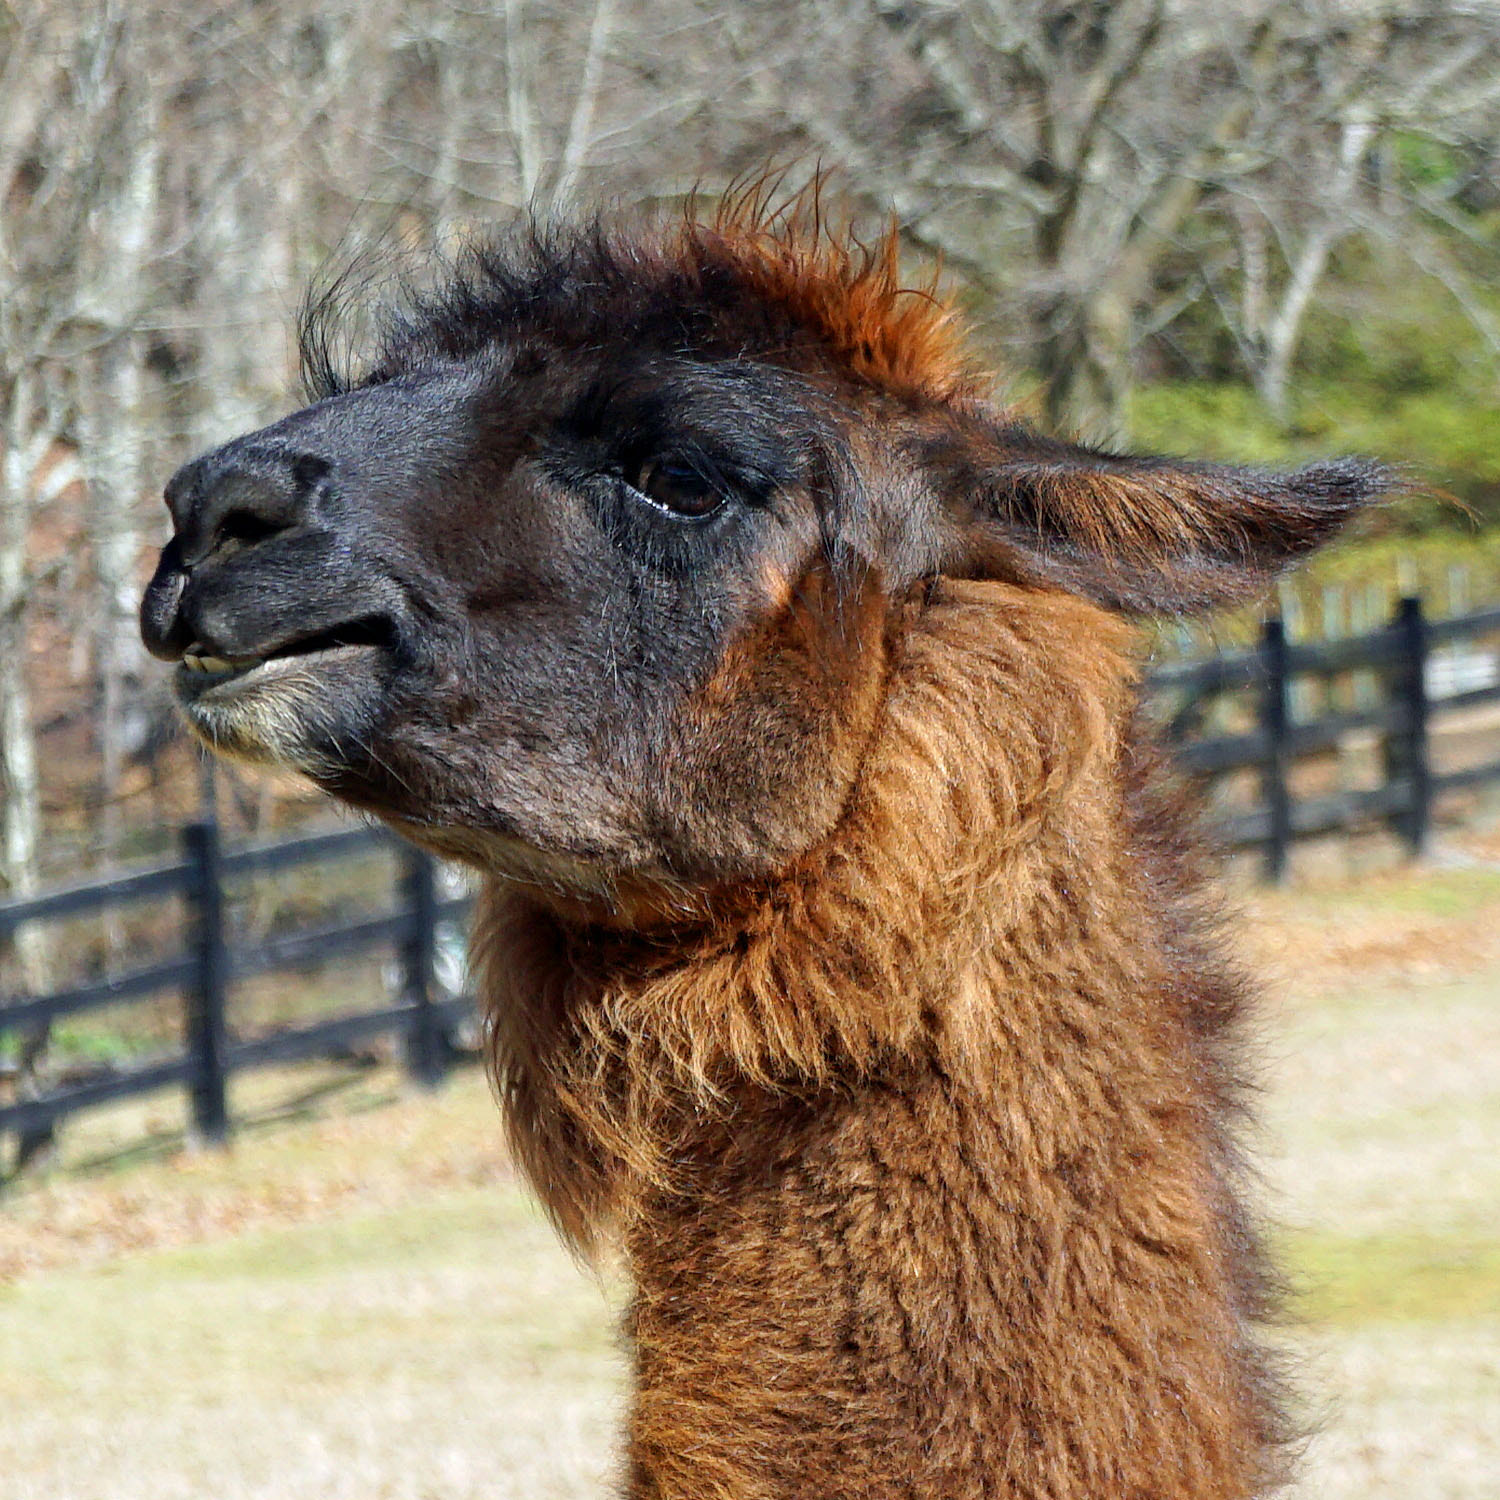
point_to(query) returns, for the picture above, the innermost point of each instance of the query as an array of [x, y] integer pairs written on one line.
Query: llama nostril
[[241, 528], [241, 494]]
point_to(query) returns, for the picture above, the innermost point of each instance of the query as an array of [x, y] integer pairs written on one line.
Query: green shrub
[[1446, 440]]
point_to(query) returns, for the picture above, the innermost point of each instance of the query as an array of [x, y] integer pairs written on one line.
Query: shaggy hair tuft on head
[[767, 274]]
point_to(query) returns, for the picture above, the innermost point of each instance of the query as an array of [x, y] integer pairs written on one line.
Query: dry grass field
[[358, 1301]]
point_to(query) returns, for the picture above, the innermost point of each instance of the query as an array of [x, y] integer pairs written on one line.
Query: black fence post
[[426, 1041], [1408, 769], [207, 1031], [1275, 719]]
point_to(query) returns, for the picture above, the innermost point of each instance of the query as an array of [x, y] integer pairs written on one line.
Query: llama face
[[502, 600], [593, 573]]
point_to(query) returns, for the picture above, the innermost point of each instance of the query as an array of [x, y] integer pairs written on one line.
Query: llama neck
[[914, 1158], [605, 1042]]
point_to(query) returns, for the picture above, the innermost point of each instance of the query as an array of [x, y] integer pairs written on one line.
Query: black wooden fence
[[1409, 700], [1400, 657], [205, 972]]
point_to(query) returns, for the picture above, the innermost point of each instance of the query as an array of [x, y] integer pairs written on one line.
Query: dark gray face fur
[[475, 596]]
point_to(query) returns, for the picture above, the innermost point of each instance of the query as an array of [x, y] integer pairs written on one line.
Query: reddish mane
[[794, 255]]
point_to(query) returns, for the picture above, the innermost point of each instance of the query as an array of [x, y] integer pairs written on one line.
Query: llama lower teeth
[[216, 666]]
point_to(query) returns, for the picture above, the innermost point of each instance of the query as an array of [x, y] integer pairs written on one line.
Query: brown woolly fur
[[957, 1095], [845, 957], [846, 294]]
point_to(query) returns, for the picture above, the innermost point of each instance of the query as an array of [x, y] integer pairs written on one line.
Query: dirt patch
[[312, 1145], [1415, 925]]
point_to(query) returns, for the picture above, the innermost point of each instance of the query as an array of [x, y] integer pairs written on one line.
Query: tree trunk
[[113, 423], [18, 761], [1283, 330], [1084, 363], [20, 787]]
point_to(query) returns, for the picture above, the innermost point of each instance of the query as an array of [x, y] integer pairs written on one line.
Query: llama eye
[[677, 487]]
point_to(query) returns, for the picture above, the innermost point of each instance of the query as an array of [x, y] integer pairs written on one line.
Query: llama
[[846, 959]]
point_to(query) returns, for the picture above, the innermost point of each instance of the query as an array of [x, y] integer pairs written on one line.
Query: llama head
[[590, 575]]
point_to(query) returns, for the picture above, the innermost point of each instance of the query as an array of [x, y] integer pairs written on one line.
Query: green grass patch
[[1430, 893], [1205, 419], [317, 1300], [448, 1342], [1393, 1278], [447, 1227]]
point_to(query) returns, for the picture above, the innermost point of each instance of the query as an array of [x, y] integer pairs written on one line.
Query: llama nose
[[240, 494], [223, 502]]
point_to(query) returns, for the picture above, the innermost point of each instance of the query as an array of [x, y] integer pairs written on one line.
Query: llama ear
[[1149, 535]]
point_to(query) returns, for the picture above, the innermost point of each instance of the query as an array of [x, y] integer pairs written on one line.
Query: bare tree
[[114, 423], [1094, 169], [1065, 147], [63, 112], [1267, 317], [1392, 80]]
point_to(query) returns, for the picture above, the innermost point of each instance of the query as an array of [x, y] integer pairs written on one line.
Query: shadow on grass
[[308, 1103]]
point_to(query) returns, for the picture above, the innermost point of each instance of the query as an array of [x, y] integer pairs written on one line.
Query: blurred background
[[1260, 232]]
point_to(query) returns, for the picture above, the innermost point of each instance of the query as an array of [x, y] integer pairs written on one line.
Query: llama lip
[[203, 671], [210, 678]]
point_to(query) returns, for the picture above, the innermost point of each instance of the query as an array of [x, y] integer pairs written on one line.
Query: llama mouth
[[202, 674]]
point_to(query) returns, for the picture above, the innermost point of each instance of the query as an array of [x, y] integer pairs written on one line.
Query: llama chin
[[289, 711], [847, 958]]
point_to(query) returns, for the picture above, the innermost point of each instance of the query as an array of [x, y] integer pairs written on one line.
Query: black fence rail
[[210, 966], [1400, 663], [1413, 665]]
